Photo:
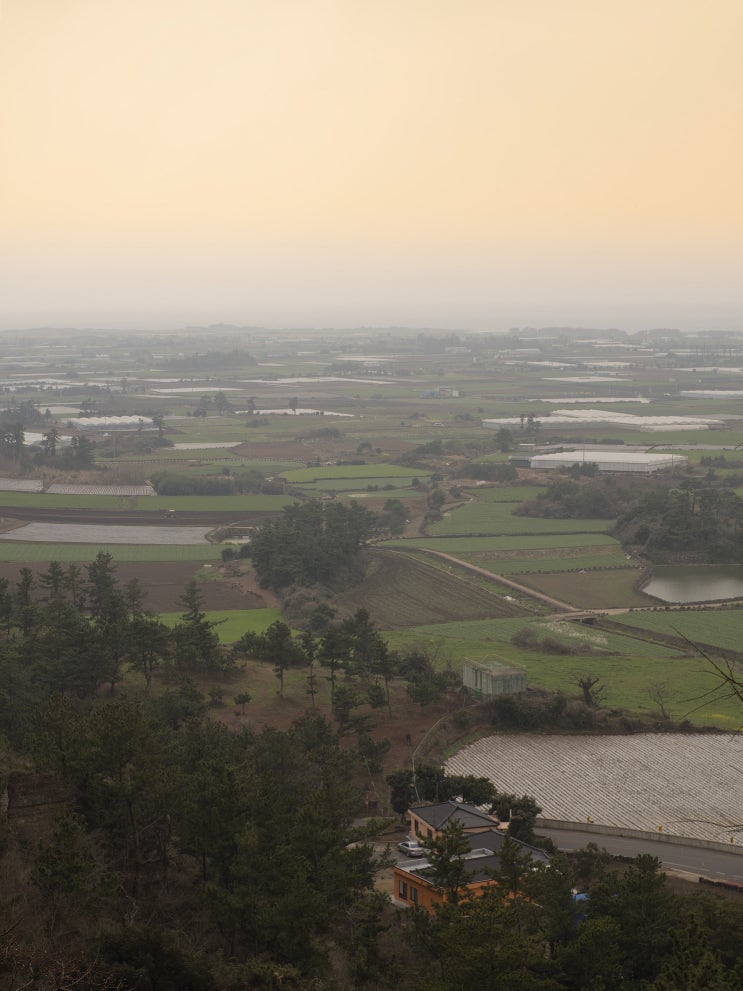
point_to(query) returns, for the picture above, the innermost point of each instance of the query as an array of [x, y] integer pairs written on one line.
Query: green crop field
[[590, 589], [720, 627], [693, 688], [37, 551], [508, 493], [169, 454], [194, 430], [464, 545], [498, 517], [499, 632], [246, 503], [303, 475], [354, 485], [521, 565], [232, 622]]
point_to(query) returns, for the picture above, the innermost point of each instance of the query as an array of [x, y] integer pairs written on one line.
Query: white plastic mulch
[[21, 485], [72, 533], [101, 490], [688, 784]]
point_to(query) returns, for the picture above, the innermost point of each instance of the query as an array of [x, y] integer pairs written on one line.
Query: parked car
[[411, 848]]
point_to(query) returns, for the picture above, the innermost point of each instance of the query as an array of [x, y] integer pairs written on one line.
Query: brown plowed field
[[400, 591], [164, 583]]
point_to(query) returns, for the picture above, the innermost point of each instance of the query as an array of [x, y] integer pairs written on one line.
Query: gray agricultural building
[[639, 462], [489, 679]]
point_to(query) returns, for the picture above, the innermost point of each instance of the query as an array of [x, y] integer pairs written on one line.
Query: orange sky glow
[[345, 162]]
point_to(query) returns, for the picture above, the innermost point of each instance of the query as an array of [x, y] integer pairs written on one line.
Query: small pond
[[696, 583]]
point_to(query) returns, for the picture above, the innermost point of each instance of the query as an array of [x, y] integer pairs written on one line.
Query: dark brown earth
[[400, 591], [164, 583]]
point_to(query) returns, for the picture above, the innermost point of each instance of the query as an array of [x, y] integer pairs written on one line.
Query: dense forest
[[188, 857], [697, 518], [312, 543]]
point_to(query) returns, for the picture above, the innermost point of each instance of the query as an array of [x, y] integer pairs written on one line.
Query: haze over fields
[[345, 163]]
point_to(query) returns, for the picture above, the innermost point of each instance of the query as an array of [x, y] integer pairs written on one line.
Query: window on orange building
[[413, 894], [403, 890]]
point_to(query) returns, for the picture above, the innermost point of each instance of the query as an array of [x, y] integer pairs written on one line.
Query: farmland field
[[498, 517], [687, 784], [501, 630], [246, 503], [516, 565], [400, 591], [303, 475], [21, 485], [67, 553], [722, 627], [101, 490], [354, 484], [591, 590], [508, 493], [469, 545], [73, 533], [232, 623]]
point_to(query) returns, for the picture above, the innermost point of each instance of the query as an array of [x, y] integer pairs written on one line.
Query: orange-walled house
[[412, 886], [427, 821]]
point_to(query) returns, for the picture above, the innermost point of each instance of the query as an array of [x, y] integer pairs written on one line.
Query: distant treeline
[[250, 482]]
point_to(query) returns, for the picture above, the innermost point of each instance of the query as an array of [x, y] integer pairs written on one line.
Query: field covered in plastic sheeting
[[74, 533], [21, 485], [101, 490], [687, 784]]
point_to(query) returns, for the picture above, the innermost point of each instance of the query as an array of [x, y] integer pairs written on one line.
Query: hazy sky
[[466, 163]]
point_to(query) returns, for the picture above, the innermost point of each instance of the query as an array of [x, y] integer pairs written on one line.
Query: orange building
[[413, 885], [427, 821]]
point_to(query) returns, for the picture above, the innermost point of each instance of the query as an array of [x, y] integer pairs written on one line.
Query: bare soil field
[[400, 591], [688, 784], [164, 582], [289, 450]]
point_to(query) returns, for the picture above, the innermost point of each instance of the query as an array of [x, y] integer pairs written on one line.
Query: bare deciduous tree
[[592, 688]]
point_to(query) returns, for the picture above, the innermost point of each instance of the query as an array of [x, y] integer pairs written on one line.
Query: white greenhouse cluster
[[610, 418], [631, 461], [112, 422]]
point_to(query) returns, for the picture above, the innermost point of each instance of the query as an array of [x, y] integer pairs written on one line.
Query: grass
[[464, 545], [498, 518], [232, 622], [720, 627], [35, 552], [302, 475], [353, 485], [591, 590], [627, 676], [525, 565], [508, 493], [499, 632]]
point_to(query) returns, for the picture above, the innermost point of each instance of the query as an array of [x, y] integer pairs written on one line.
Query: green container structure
[[489, 679]]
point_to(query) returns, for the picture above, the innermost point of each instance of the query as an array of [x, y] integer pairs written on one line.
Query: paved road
[[714, 864]]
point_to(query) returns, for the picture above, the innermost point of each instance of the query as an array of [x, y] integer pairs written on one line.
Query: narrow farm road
[[532, 593]]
